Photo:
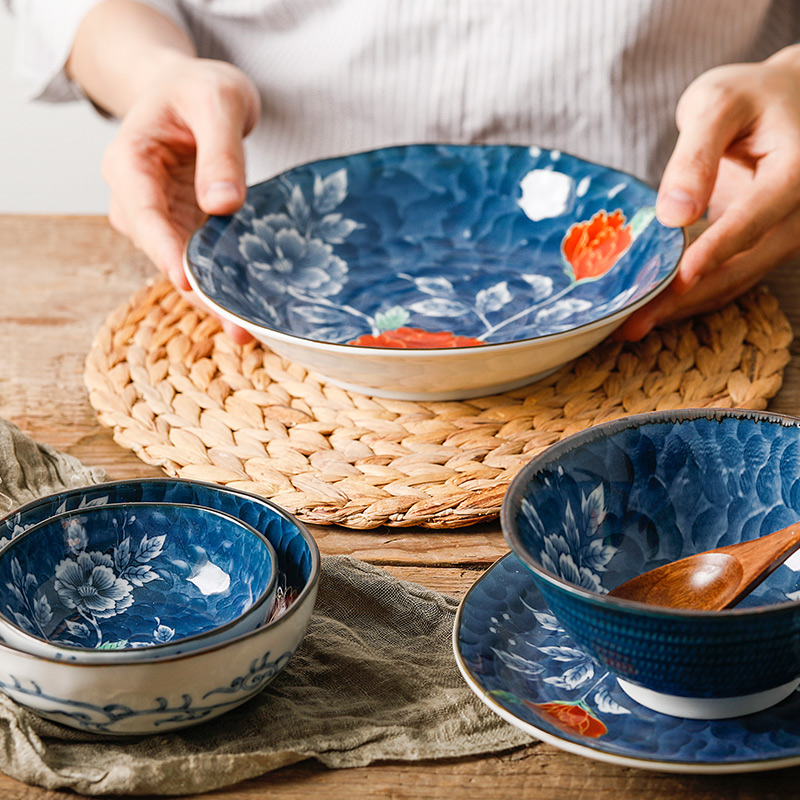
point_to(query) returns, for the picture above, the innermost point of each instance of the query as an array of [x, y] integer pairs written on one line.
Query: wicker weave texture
[[183, 396]]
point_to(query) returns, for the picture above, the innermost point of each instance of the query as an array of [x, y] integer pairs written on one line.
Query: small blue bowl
[[627, 496], [154, 577]]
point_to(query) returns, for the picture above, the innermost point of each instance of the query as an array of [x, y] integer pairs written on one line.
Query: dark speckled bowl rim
[[549, 458], [308, 589], [154, 649]]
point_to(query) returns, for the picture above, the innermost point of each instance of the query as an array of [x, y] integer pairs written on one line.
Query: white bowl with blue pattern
[[98, 692], [139, 580], [434, 272]]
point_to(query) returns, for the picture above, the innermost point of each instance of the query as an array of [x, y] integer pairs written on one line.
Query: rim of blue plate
[[285, 618], [417, 352], [153, 649], [546, 459]]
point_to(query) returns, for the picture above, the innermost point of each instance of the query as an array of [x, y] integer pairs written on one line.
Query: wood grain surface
[[60, 276]]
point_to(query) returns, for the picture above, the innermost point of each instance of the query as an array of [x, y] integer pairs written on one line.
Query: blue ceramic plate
[[435, 248], [494, 243], [516, 658]]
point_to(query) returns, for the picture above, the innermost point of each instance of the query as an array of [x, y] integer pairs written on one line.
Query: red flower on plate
[[593, 247], [571, 718], [411, 338]]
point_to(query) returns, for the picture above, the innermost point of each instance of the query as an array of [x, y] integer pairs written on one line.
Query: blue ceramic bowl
[[125, 692], [436, 271], [626, 496], [156, 577]]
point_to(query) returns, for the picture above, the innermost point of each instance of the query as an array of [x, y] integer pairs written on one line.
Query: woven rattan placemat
[[182, 395]]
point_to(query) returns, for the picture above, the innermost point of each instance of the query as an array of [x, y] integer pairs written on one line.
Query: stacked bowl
[[144, 606]]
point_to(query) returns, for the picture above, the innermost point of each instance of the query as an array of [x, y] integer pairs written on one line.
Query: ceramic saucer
[[516, 658]]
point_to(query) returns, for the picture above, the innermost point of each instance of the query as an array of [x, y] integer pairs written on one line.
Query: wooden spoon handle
[[760, 557]]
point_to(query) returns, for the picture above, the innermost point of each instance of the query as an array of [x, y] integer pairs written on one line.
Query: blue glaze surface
[[624, 497], [521, 662], [135, 575], [459, 238]]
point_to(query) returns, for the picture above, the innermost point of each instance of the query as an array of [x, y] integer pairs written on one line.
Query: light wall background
[[49, 153]]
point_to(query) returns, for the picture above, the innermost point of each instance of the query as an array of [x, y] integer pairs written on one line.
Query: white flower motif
[[545, 194], [281, 256], [89, 584], [578, 552]]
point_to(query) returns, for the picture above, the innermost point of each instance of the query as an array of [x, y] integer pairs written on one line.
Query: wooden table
[[59, 278]]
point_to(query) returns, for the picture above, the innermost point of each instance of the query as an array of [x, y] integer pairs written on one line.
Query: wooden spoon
[[715, 579]]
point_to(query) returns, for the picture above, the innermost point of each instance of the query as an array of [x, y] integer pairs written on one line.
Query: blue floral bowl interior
[[643, 494], [468, 244], [297, 553], [135, 575]]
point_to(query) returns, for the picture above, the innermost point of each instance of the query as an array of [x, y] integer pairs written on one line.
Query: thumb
[[220, 184], [706, 133]]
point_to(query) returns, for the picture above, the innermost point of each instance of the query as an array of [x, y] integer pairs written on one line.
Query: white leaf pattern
[[574, 677], [563, 653], [541, 286], [606, 704], [493, 298], [438, 307], [439, 286], [518, 663], [330, 192]]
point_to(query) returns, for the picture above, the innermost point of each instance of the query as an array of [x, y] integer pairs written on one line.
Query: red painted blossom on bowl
[[411, 338], [593, 247], [572, 718]]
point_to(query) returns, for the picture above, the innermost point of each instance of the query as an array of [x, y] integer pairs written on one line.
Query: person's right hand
[[177, 157]]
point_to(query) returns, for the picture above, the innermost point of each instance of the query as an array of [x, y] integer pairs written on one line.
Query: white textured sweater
[[597, 78]]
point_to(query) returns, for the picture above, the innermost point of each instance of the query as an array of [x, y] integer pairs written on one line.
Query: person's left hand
[[738, 157]]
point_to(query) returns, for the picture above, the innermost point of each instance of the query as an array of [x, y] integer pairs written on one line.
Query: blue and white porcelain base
[[708, 707]]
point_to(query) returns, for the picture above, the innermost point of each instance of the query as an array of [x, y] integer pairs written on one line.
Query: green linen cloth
[[374, 679]]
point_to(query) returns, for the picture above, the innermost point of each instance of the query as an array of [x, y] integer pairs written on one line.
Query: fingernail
[[222, 193], [685, 286], [234, 332], [676, 208], [178, 278], [635, 328]]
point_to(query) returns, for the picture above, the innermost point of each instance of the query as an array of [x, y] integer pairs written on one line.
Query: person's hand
[[178, 157], [738, 157]]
